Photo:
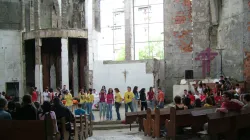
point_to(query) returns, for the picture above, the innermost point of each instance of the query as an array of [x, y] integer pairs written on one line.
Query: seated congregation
[[51, 120], [218, 113]]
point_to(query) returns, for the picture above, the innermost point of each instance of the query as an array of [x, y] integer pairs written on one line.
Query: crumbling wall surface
[[73, 14], [201, 31], [10, 14], [246, 41], [46, 7], [231, 36], [177, 41]]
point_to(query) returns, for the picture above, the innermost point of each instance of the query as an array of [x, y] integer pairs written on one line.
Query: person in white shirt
[[46, 95]]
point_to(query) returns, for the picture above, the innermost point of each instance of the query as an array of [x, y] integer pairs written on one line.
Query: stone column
[[128, 6], [201, 31], [38, 66], [65, 62], [178, 44], [53, 76], [75, 69]]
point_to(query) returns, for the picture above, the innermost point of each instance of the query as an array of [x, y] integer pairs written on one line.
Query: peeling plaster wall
[[110, 74], [11, 59], [231, 37], [10, 14], [201, 31], [177, 41]]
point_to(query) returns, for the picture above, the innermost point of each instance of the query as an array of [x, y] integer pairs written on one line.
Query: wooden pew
[[200, 118], [159, 119], [24, 130], [223, 123], [147, 122], [130, 117], [141, 115], [182, 118]]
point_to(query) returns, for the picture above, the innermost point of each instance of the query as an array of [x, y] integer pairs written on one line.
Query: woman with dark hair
[[136, 97], [178, 104], [187, 102], [47, 112], [118, 102], [104, 88], [151, 98], [102, 104], [110, 101], [28, 111], [198, 103], [143, 99]]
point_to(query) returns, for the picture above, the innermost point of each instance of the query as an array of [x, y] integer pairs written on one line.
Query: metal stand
[[221, 66]]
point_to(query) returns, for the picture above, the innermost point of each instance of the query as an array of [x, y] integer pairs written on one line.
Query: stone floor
[[121, 134], [122, 113]]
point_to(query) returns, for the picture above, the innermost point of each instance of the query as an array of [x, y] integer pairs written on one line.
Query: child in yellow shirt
[[90, 101], [128, 97], [118, 101]]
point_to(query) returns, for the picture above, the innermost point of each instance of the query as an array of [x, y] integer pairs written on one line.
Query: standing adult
[[143, 99], [82, 97], [102, 104], [69, 99], [52, 94], [151, 98], [28, 111], [160, 98], [46, 95], [118, 102], [90, 98], [47, 110], [104, 88], [110, 102], [128, 97], [64, 89], [136, 98], [3, 114], [34, 95]]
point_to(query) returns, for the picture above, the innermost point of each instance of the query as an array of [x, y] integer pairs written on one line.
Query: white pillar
[[65, 62]]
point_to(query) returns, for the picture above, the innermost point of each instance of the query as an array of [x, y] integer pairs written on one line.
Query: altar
[[188, 85]]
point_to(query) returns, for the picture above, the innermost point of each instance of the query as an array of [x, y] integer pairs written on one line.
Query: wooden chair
[[83, 126]]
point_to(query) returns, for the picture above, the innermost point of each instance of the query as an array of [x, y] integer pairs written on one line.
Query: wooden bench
[[131, 117], [85, 126], [159, 119], [147, 125], [227, 124], [182, 118], [141, 115], [26, 130]]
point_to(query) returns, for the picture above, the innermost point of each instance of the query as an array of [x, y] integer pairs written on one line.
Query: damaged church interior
[[85, 43]]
